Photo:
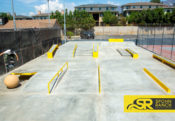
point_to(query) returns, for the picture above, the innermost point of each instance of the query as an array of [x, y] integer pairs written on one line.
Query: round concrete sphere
[[11, 81]]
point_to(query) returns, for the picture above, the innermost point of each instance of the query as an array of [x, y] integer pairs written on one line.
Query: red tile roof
[[143, 3], [24, 24]]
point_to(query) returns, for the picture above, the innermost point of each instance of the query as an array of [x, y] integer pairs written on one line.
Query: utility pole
[[14, 22], [64, 23], [49, 13]]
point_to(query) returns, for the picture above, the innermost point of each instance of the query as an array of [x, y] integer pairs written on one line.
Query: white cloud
[[70, 6], [113, 3], [31, 13], [54, 5]]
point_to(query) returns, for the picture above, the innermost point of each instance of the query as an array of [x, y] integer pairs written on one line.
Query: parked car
[[87, 34]]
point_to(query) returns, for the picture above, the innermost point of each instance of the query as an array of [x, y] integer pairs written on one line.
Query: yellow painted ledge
[[116, 40], [164, 60], [24, 74], [162, 85], [51, 51], [133, 54]]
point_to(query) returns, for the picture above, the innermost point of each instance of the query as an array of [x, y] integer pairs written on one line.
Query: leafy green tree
[[156, 16], [75, 20], [109, 18], [6, 15], [83, 20], [60, 18], [155, 1], [172, 18]]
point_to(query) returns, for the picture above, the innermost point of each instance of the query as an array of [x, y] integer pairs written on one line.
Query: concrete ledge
[[95, 52], [157, 81], [164, 60], [133, 54], [24, 74], [116, 40], [51, 51]]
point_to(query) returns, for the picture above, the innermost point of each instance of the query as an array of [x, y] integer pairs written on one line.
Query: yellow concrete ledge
[[51, 51], [24, 74], [95, 52], [157, 81], [75, 48], [164, 60], [133, 54], [116, 40]]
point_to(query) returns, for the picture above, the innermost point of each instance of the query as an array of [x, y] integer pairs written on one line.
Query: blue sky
[[30, 7]]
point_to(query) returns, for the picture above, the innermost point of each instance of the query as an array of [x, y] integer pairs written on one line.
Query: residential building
[[168, 9], [41, 15], [31, 24], [139, 6], [21, 17], [97, 10]]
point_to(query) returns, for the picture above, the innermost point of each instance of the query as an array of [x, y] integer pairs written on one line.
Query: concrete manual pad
[[75, 96], [123, 52]]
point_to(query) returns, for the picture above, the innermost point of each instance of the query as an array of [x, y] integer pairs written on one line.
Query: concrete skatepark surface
[[75, 96]]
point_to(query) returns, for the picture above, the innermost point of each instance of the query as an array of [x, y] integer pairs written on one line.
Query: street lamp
[[48, 12], [64, 23], [14, 22]]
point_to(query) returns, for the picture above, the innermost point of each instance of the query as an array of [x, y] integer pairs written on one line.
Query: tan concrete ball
[[11, 81]]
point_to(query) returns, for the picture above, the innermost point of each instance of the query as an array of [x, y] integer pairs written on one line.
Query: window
[[79, 8], [127, 7], [84, 8], [112, 8], [100, 9], [134, 7], [107, 8], [168, 11], [141, 6], [150, 6], [91, 9], [156, 6]]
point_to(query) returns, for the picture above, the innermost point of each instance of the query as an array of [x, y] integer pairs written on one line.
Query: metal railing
[[74, 51], [56, 75]]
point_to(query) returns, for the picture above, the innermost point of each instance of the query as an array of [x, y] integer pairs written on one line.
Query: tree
[[109, 18], [75, 20], [155, 1], [155, 16], [83, 20], [60, 18], [172, 18], [6, 15]]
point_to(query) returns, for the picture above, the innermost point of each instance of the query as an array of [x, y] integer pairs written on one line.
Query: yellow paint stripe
[[75, 48], [134, 54], [99, 80], [116, 40], [164, 60], [157, 81]]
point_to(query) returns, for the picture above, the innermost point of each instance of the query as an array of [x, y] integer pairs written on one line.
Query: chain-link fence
[[158, 39], [27, 43]]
